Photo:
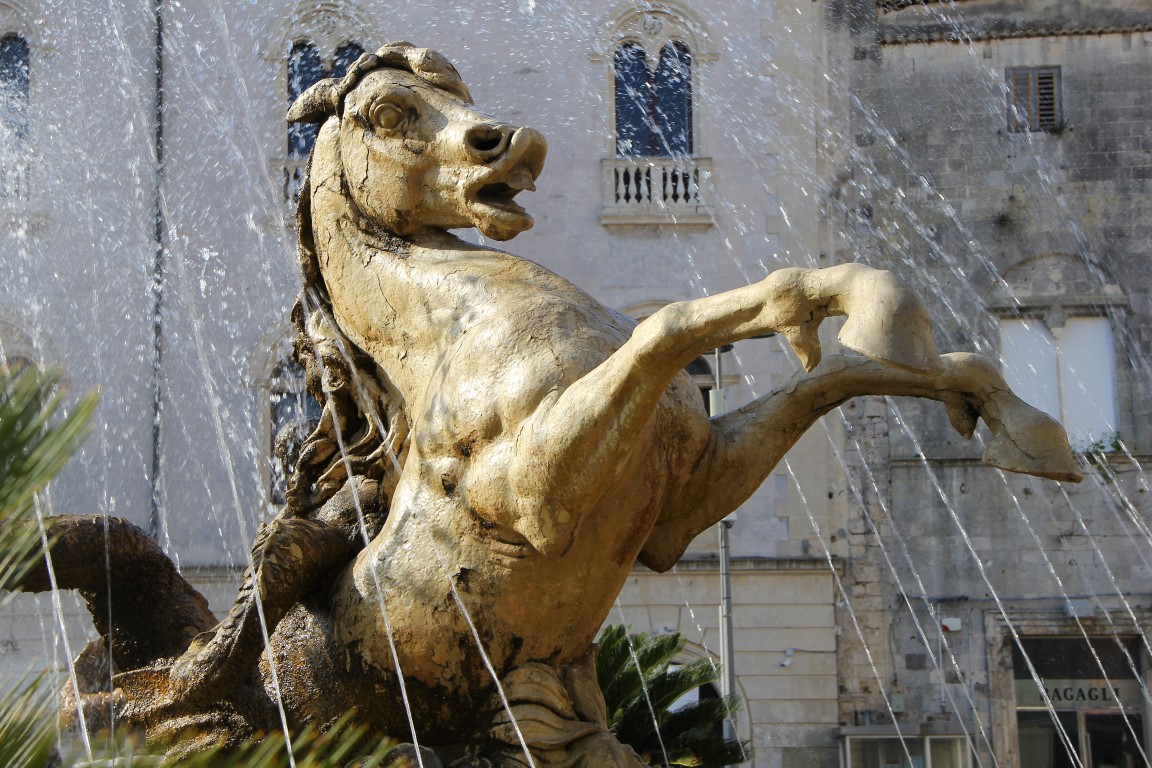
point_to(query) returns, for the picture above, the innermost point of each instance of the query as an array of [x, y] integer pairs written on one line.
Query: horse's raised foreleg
[[581, 439], [747, 443]]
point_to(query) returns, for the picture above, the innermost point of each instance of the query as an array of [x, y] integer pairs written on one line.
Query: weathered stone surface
[[498, 448]]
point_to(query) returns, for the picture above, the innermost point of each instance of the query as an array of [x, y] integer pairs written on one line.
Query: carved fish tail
[[140, 604]]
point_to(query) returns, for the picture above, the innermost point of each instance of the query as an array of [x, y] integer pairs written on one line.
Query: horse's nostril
[[487, 139]]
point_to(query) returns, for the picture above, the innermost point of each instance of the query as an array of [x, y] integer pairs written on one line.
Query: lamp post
[[716, 407]]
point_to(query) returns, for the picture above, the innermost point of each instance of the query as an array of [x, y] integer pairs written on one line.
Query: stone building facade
[[999, 156], [146, 227], [149, 245]]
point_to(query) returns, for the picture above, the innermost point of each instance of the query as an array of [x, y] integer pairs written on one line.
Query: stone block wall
[[985, 222], [782, 612]]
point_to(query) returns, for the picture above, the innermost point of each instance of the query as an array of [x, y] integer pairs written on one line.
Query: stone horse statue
[[497, 450]]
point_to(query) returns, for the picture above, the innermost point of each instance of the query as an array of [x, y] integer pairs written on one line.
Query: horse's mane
[[363, 427]]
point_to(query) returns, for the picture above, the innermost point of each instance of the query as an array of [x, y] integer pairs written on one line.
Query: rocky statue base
[[497, 449]]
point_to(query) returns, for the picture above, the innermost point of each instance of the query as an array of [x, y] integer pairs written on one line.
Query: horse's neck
[[388, 293]]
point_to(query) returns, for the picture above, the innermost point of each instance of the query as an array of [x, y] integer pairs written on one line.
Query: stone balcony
[[672, 191], [17, 206], [14, 178]]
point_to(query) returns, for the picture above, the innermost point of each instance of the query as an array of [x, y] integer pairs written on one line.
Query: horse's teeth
[[521, 181]]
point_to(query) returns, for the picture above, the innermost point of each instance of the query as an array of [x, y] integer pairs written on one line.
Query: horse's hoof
[[805, 342], [1033, 443]]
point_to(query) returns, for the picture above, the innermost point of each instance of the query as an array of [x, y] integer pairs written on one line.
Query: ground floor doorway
[[1079, 702]]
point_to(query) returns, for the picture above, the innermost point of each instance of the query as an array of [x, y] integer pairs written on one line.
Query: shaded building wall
[[989, 224]]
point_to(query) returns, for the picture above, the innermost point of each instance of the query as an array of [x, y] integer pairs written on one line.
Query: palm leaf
[[35, 444], [27, 722], [340, 746], [36, 440], [640, 684]]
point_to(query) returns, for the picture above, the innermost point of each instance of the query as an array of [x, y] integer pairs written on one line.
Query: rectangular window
[[1067, 372], [907, 752], [1034, 102]]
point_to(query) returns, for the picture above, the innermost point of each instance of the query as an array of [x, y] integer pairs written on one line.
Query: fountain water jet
[[707, 282], [518, 478]]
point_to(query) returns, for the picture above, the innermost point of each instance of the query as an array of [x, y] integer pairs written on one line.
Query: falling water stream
[[924, 259]]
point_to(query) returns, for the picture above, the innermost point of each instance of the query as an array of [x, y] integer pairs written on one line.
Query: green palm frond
[[340, 746], [36, 441], [641, 683], [27, 722], [38, 434]]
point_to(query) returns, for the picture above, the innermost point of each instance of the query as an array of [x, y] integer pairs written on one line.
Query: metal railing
[[14, 178]]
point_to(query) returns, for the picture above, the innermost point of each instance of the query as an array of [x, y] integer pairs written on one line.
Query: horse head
[[400, 130]]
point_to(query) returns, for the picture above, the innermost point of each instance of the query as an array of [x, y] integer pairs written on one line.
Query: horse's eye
[[387, 116]]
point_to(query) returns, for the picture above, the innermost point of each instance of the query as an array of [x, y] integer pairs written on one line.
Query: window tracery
[[655, 172], [313, 40], [305, 68]]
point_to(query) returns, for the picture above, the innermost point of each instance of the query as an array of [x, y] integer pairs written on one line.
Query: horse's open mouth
[[502, 195]]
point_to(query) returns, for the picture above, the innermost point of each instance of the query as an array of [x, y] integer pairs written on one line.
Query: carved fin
[[805, 342], [963, 418]]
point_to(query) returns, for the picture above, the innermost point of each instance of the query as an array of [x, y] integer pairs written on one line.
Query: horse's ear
[[316, 104]]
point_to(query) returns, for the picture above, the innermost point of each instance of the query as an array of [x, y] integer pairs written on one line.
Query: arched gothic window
[[305, 68], [293, 415], [15, 62], [653, 101], [655, 55], [14, 80]]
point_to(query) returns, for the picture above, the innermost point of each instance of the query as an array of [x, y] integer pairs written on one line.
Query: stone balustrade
[[657, 190]]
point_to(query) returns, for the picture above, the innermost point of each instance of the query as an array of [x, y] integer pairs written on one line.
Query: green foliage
[[1097, 453], [35, 443], [340, 746], [640, 684], [27, 723], [36, 440]]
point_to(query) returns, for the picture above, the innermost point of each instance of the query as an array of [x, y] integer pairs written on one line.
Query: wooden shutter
[[1033, 98], [1047, 99], [1019, 99]]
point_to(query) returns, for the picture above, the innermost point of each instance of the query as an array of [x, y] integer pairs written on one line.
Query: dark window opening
[[1034, 102], [294, 414], [15, 60], [653, 108], [305, 69], [1048, 740], [1067, 658]]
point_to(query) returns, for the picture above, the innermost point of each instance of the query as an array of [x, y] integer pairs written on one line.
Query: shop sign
[[1081, 694]]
